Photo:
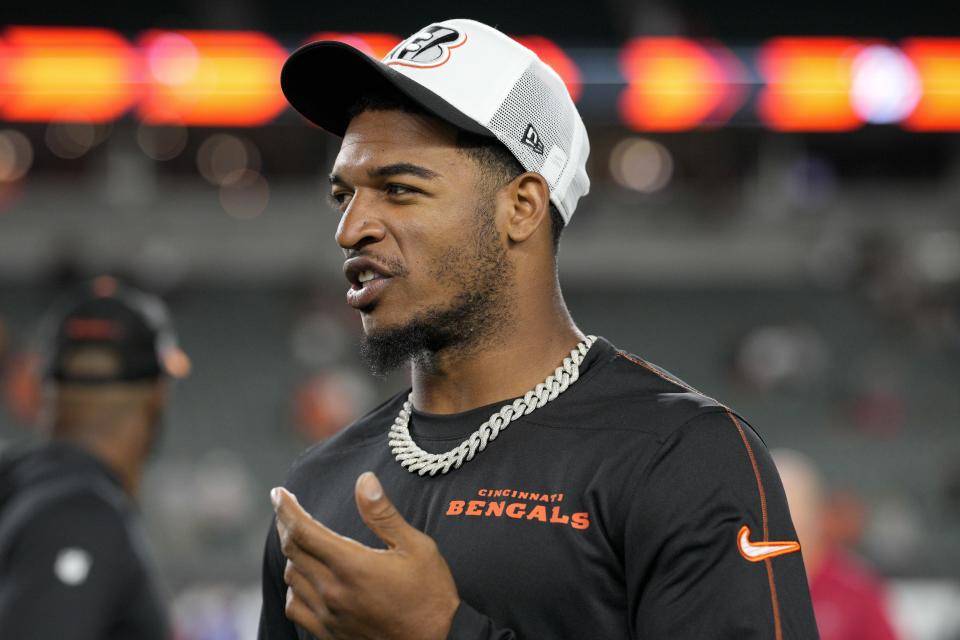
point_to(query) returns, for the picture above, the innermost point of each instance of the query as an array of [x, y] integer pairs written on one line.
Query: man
[[72, 559], [849, 598], [535, 482]]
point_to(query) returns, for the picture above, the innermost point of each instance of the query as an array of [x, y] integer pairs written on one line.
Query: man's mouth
[[365, 293], [367, 276], [367, 281]]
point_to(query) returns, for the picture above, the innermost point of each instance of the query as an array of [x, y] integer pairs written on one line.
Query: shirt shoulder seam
[[630, 488]]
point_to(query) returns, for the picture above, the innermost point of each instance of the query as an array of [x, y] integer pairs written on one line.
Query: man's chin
[[389, 316], [395, 334], [386, 348], [375, 320]]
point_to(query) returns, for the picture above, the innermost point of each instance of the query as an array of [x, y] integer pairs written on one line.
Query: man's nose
[[359, 224]]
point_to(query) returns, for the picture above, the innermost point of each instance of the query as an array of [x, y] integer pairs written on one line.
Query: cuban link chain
[[415, 459]]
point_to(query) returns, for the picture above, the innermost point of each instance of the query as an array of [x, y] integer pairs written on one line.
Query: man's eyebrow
[[390, 170], [403, 168]]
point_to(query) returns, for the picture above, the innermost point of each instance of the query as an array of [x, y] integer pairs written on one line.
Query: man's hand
[[340, 589]]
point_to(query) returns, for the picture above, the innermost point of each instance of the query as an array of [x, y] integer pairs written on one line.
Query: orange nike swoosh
[[757, 551]]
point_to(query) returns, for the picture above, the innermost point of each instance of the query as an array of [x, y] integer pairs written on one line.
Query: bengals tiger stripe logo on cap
[[430, 47]]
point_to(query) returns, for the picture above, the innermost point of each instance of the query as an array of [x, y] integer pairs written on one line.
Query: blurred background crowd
[[774, 217]]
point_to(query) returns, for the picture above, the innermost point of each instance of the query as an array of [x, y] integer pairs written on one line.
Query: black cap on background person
[[108, 332], [72, 558], [108, 351]]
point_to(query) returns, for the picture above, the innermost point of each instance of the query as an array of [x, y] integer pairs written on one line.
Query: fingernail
[[371, 486], [275, 497]]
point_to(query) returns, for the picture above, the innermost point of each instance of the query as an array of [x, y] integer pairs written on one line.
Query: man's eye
[[399, 190], [341, 198]]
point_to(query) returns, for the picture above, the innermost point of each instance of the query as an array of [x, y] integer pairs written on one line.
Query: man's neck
[[506, 365], [124, 458]]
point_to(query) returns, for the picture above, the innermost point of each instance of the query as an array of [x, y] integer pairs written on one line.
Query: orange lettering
[[455, 508], [475, 508], [482, 493], [580, 520], [495, 508], [516, 509], [556, 518], [539, 512]]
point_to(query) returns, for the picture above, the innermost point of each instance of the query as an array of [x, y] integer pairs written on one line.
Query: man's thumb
[[379, 513]]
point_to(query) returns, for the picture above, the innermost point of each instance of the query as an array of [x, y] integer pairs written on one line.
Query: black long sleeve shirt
[[617, 510], [72, 560]]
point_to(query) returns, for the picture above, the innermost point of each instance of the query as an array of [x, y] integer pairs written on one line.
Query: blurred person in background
[[848, 596], [73, 560], [623, 503]]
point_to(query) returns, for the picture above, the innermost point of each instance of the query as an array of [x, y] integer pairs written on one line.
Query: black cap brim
[[324, 80]]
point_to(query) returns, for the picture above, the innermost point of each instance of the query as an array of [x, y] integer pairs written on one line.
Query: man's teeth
[[366, 276]]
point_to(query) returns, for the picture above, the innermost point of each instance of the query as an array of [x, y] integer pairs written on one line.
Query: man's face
[[418, 219]]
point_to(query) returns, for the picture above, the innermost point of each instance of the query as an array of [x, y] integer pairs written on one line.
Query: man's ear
[[158, 394], [528, 202]]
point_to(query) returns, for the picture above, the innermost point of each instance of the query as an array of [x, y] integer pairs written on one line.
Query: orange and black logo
[[429, 47], [547, 508]]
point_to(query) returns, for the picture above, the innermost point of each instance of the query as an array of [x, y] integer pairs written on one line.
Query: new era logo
[[532, 139]]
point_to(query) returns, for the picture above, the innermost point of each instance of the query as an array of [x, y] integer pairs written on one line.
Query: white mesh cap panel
[[504, 87], [556, 146], [578, 182]]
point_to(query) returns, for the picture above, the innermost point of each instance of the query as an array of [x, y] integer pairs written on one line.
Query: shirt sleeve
[[67, 572], [274, 624], [470, 624], [709, 546]]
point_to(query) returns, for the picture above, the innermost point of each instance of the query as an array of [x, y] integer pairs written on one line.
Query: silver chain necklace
[[413, 458]]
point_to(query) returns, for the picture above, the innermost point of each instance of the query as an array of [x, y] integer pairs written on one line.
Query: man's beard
[[476, 312]]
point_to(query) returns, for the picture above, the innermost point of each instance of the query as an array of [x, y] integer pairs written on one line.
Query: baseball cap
[[466, 73], [109, 332]]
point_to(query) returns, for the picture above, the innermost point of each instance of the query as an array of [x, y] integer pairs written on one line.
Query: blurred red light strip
[[66, 74], [937, 61], [675, 84], [808, 84], [220, 78], [211, 78], [4, 70]]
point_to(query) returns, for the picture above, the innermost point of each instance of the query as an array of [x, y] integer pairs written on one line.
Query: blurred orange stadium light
[[229, 78], [66, 74], [808, 84], [676, 84], [211, 78], [937, 61]]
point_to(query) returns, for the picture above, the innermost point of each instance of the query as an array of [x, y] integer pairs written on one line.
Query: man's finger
[[379, 513], [297, 528], [315, 572], [305, 585], [299, 613]]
